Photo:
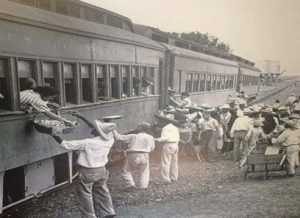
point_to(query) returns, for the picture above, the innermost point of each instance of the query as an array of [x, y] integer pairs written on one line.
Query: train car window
[[126, 26], [43, 4], [125, 81], [62, 6], [74, 10], [143, 71], [222, 82], [25, 70], [49, 74], [101, 86], [114, 81], [202, 82], [89, 14], [214, 82], [135, 81], [4, 102], [69, 83], [196, 82], [151, 73], [189, 82], [86, 83], [28, 2], [99, 17], [160, 38], [114, 21], [218, 85], [208, 82]]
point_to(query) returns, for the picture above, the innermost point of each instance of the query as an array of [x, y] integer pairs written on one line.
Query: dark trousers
[[208, 143]]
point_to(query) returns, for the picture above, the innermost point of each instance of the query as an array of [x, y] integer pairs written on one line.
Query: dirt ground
[[204, 189]]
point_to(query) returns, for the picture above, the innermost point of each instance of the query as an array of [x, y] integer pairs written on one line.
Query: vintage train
[[92, 56]]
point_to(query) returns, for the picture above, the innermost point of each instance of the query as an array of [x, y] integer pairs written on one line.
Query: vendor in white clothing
[[169, 156], [137, 156]]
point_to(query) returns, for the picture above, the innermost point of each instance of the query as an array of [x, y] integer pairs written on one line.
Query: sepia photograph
[[149, 109]]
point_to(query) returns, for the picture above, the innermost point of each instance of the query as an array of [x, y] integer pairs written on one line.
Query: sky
[[254, 29]]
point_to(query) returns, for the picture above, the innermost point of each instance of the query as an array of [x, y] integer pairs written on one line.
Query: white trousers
[[169, 162], [140, 164]]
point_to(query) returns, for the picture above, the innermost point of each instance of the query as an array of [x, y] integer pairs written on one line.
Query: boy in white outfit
[[137, 156]]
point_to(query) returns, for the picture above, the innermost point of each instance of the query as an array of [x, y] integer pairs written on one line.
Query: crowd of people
[[236, 126], [204, 132]]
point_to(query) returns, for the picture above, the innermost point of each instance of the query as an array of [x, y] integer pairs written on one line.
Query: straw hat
[[106, 129], [294, 116], [225, 106], [290, 123], [167, 118], [206, 106], [110, 118]]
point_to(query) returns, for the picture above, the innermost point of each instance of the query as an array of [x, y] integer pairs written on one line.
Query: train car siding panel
[[23, 145]]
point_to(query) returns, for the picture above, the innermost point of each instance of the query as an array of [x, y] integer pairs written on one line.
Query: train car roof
[[249, 67], [196, 55], [33, 16]]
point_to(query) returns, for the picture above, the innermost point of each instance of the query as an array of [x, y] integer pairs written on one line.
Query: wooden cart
[[264, 158]]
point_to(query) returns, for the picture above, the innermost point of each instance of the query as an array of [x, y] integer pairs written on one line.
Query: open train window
[[214, 82], [218, 83], [208, 82], [86, 83], [62, 6], [136, 81], [49, 75], [202, 82], [43, 4], [152, 74], [114, 81], [189, 82], [5, 97], [196, 82], [125, 82], [25, 70], [69, 83], [101, 85], [143, 72]]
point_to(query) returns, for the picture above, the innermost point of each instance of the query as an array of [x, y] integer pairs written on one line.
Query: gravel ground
[[203, 190]]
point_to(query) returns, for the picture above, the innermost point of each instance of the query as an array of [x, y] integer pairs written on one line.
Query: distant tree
[[204, 39]]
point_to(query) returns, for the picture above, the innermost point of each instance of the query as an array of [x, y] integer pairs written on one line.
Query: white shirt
[[289, 137], [241, 123], [169, 133], [210, 124], [186, 102], [93, 152], [138, 142]]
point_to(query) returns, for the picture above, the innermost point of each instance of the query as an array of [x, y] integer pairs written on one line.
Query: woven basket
[[50, 130]]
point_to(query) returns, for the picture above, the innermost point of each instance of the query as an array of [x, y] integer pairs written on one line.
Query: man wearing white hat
[[94, 199], [209, 131], [290, 139], [239, 131], [169, 154], [137, 156]]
